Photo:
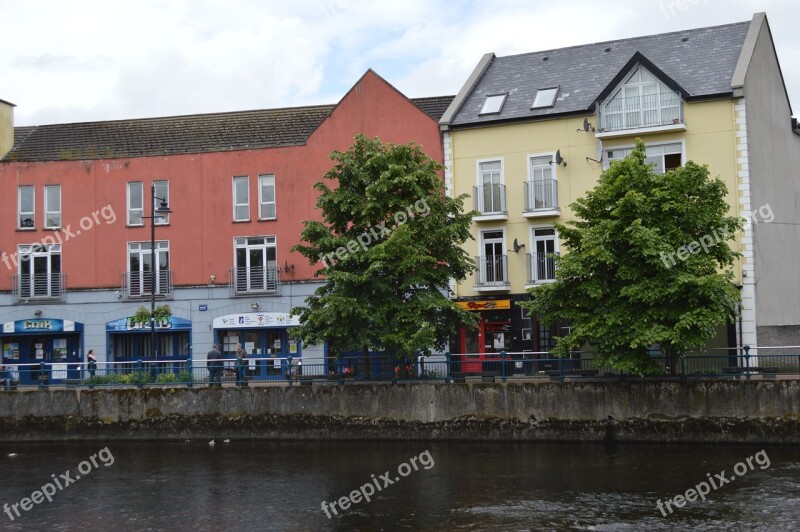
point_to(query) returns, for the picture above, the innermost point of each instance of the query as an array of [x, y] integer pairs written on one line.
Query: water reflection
[[281, 485]]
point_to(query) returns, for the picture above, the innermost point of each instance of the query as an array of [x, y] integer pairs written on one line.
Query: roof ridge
[[648, 36]]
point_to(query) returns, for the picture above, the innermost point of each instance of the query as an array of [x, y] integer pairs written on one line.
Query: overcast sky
[[77, 61]]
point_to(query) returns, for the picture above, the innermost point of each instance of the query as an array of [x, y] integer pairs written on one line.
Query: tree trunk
[[365, 373]]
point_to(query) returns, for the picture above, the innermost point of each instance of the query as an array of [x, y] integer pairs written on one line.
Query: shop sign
[[38, 325], [500, 304], [256, 319], [127, 324]]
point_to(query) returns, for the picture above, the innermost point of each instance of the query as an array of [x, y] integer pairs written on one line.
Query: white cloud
[[84, 60]]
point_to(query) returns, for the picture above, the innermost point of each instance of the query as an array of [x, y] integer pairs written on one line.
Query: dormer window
[[493, 104], [641, 101], [545, 98]]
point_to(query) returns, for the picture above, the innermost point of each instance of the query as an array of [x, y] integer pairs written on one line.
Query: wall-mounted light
[[37, 312], [213, 279], [254, 305]]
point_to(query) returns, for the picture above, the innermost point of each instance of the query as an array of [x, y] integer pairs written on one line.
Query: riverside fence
[[756, 363]]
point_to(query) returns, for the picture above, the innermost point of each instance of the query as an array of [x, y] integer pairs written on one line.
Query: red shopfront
[[492, 335]]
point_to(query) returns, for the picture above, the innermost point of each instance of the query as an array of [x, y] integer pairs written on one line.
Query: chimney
[[6, 127]]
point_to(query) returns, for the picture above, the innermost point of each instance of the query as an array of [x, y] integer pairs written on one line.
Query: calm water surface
[[280, 486]]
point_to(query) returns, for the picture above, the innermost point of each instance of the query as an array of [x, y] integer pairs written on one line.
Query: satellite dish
[[517, 246], [559, 159]]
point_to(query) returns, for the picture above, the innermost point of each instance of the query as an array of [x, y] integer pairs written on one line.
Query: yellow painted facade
[[6, 127], [709, 138]]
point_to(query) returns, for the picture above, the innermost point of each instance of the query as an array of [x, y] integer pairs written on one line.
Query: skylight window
[[493, 104], [545, 98]]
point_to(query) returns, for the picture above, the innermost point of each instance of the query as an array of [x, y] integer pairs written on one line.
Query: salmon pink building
[[76, 260]]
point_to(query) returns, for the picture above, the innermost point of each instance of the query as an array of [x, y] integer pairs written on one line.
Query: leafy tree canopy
[[647, 263], [389, 243]]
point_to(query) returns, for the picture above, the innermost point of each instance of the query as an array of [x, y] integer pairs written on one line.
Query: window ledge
[[26, 229], [268, 219], [639, 131], [134, 225], [494, 288], [536, 284], [491, 217], [541, 213], [241, 221]]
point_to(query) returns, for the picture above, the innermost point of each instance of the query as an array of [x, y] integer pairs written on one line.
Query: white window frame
[[628, 147], [160, 219], [236, 204], [243, 284], [532, 243], [505, 285], [28, 254], [551, 103], [137, 248], [490, 97], [262, 203], [662, 88], [129, 211], [28, 215], [479, 183], [47, 213], [555, 210]]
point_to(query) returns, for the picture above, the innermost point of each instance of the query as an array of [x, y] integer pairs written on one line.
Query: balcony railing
[[641, 111], [541, 267], [39, 287], [260, 280], [541, 194], [490, 199], [492, 272], [139, 285]]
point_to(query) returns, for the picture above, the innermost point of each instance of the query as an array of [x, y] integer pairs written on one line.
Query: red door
[[482, 345]]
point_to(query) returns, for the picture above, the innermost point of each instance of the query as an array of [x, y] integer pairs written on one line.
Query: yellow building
[[529, 134]]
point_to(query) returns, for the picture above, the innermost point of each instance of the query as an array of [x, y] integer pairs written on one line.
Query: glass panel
[[493, 104], [162, 191], [545, 97], [672, 161]]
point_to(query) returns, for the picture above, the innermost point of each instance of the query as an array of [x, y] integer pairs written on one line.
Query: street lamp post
[[162, 210]]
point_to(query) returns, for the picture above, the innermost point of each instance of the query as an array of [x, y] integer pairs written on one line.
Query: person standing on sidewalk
[[214, 364], [241, 366]]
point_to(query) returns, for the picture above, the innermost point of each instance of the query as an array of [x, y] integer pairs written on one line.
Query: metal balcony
[[492, 272], [652, 110], [248, 281], [541, 195], [139, 285], [39, 287], [490, 199], [541, 267]]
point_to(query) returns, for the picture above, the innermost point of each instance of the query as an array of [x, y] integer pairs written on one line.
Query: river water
[[447, 486]]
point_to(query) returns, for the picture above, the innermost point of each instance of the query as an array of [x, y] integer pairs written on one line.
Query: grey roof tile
[[701, 61], [246, 130]]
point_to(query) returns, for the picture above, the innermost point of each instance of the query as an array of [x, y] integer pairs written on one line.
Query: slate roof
[[702, 61], [245, 130]]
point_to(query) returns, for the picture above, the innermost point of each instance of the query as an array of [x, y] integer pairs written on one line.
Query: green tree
[[647, 263], [389, 243]]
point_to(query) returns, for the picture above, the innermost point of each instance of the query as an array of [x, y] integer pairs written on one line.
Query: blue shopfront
[[56, 343], [129, 341], [266, 336]]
